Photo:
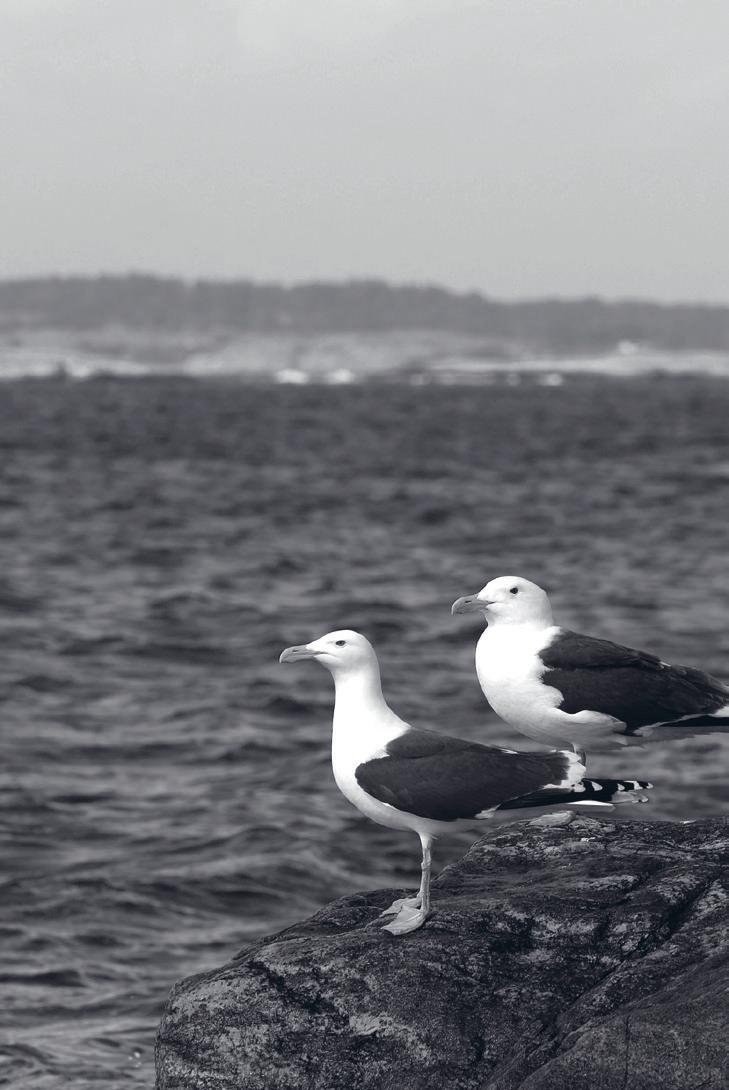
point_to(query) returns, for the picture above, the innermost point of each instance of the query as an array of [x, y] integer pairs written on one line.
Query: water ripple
[[166, 795]]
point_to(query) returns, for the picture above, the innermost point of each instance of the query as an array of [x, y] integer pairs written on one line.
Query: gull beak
[[470, 603], [294, 654]]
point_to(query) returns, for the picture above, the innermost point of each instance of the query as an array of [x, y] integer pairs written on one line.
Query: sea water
[[165, 794]]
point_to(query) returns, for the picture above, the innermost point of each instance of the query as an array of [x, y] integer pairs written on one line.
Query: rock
[[589, 956]]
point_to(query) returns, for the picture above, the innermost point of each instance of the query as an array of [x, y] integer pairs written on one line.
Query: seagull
[[561, 688], [405, 777]]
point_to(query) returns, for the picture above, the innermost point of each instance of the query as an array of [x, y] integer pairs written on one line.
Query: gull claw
[[402, 902], [545, 820], [407, 919]]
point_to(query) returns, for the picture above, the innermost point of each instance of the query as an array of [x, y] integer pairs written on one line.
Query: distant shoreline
[[451, 373], [165, 319]]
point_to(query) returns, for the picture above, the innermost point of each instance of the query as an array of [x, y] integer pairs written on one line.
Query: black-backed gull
[[408, 778], [562, 688]]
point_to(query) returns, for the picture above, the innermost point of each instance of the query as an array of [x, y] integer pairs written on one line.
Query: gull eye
[[340, 643], [514, 590]]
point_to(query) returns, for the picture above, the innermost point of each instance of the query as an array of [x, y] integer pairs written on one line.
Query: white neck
[[360, 691], [360, 709], [536, 622]]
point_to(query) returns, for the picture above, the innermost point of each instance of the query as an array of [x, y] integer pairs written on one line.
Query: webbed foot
[[402, 902], [544, 821], [407, 919]]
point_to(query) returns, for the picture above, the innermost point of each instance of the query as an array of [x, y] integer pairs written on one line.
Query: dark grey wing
[[632, 686], [443, 778]]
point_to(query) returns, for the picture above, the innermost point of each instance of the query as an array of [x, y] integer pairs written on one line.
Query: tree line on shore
[[162, 304]]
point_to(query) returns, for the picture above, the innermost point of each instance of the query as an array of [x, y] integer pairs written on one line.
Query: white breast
[[510, 670], [354, 742]]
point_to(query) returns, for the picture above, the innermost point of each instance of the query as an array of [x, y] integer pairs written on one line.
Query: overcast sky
[[516, 147]]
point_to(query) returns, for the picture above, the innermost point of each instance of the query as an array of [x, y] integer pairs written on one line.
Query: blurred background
[[319, 316]]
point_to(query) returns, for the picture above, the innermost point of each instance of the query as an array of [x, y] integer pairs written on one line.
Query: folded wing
[[631, 686], [444, 779]]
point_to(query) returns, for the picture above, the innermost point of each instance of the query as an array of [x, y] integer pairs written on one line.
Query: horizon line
[[350, 281]]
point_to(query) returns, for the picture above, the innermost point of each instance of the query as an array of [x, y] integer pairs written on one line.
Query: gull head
[[342, 652], [508, 600]]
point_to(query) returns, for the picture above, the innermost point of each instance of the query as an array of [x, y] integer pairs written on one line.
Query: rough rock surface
[[592, 956]]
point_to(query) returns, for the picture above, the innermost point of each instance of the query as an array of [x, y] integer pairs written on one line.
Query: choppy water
[[166, 793]]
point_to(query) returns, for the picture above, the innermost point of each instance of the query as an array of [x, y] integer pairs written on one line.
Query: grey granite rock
[[592, 956]]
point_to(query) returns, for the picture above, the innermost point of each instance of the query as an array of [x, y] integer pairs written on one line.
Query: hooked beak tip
[[293, 654], [469, 603]]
